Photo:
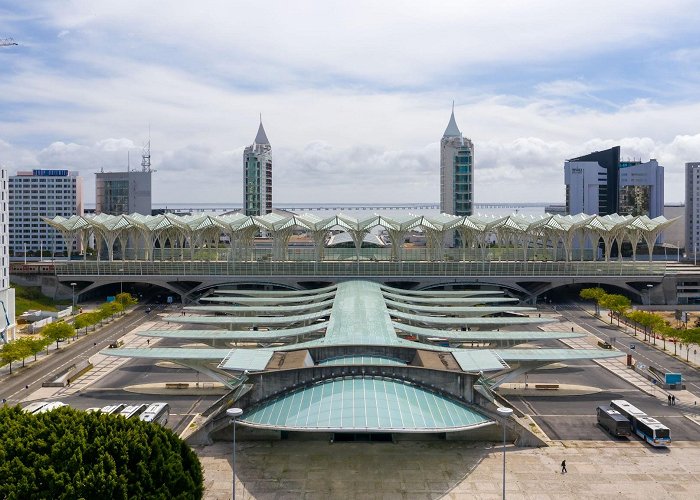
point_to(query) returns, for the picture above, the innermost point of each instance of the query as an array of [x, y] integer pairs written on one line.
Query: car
[[148, 310]]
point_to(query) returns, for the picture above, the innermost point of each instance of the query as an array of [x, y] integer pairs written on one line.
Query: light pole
[[121, 280], [72, 285], [234, 413], [505, 413]]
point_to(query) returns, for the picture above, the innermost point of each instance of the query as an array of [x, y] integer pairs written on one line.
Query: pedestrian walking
[[669, 400], [563, 467], [148, 341], [673, 400]]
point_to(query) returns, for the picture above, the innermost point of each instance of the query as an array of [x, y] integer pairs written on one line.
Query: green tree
[[126, 299], [23, 348], [690, 338], [618, 304], [73, 454], [633, 317], [84, 320], [10, 353], [55, 332], [595, 294], [36, 344], [109, 309]]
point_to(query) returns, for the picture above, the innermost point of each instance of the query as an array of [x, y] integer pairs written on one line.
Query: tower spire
[[261, 137], [452, 129]]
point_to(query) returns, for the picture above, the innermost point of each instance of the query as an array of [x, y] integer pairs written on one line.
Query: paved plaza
[[319, 470]]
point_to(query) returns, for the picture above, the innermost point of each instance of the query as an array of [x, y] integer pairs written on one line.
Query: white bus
[[112, 409], [157, 413], [649, 429], [35, 406], [132, 411], [49, 407]]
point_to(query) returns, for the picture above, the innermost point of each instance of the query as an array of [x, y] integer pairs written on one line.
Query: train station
[[348, 359]]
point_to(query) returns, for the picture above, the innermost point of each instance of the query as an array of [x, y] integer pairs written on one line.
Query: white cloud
[[354, 96]]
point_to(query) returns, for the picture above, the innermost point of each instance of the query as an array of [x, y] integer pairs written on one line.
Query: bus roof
[[49, 407], [652, 423], [112, 409], [151, 413], [35, 406], [132, 410], [628, 407]]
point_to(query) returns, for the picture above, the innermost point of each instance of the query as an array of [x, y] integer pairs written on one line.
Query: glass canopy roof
[[366, 404]]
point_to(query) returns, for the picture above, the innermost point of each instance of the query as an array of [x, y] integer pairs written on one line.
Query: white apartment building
[[42, 193], [692, 209], [7, 294]]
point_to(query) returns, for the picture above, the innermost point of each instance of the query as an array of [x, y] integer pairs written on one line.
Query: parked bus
[[157, 413], [132, 411], [112, 409], [613, 421], [644, 426], [49, 407], [35, 406]]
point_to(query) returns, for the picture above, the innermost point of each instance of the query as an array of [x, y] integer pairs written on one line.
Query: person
[[673, 400], [148, 341], [669, 400], [572, 328], [563, 466]]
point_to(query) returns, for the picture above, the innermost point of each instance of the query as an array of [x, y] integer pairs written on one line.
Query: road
[[573, 417], [14, 387], [642, 352]]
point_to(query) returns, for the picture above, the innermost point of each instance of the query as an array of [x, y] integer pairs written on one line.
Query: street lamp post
[[505, 413], [121, 280], [234, 413], [72, 285]]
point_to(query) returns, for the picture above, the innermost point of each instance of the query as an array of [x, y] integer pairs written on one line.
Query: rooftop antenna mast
[[146, 154]]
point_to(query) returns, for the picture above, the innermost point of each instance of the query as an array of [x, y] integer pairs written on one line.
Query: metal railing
[[360, 268]]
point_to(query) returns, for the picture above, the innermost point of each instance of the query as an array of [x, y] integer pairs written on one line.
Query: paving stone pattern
[[432, 470]]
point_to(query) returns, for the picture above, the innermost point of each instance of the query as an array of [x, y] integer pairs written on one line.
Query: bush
[[73, 454]]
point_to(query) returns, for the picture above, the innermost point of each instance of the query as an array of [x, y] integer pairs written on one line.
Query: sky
[[354, 96]]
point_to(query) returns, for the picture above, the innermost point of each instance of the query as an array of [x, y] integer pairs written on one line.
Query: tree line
[[24, 347], [652, 324], [67, 453]]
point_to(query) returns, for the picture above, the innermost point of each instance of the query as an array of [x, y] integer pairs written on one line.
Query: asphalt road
[[109, 389], [13, 387], [573, 418], [642, 352]]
